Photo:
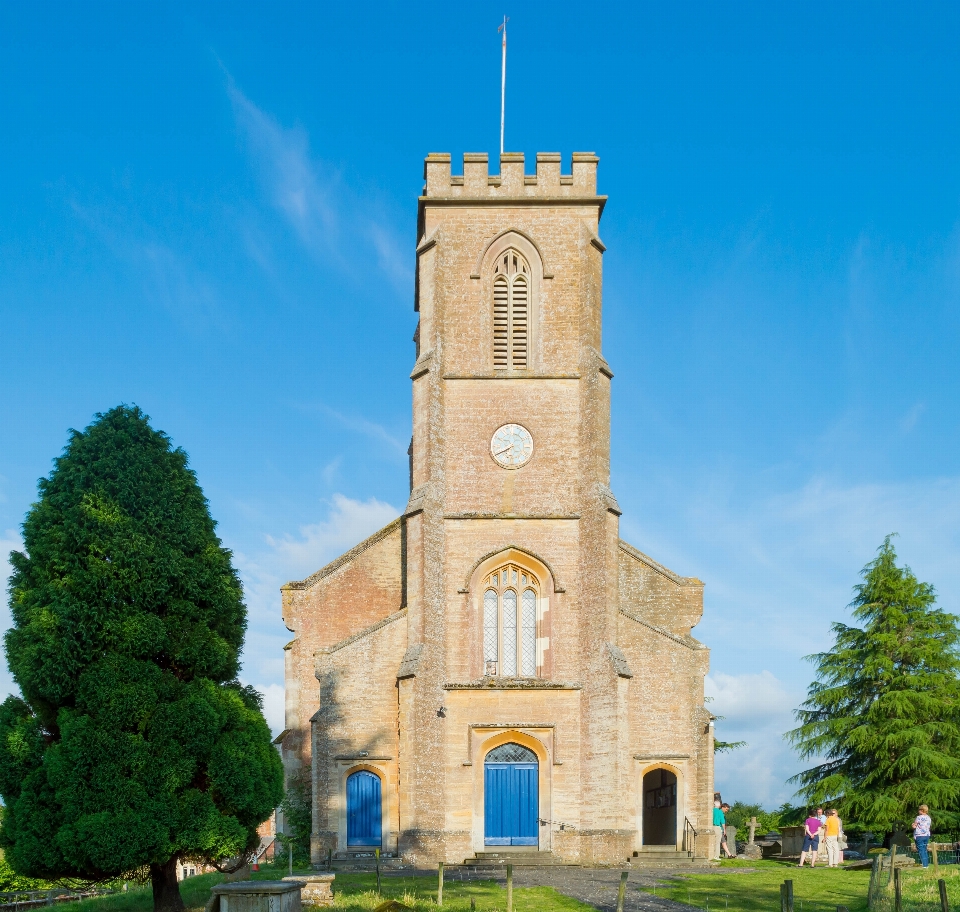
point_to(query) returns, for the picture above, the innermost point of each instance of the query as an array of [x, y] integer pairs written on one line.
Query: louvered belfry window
[[510, 622], [511, 312]]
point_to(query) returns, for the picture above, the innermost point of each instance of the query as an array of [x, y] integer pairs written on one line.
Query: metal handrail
[[689, 840]]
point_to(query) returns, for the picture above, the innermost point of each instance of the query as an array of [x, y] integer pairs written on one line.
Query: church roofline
[[360, 634], [659, 568], [688, 641], [344, 558]]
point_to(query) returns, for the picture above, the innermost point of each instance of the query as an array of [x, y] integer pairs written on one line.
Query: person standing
[[724, 844], [811, 840], [832, 835], [921, 833]]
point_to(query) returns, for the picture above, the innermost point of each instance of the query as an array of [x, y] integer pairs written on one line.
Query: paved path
[[595, 886]]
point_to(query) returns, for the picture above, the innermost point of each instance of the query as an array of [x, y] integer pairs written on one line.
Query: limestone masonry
[[503, 608]]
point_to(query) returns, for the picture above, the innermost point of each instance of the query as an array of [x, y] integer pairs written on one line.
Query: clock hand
[[504, 451]]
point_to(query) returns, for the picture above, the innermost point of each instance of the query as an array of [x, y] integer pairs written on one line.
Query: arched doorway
[[659, 808], [511, 796], [364, 810]]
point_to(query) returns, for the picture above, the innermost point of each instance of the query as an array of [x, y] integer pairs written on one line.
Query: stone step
[[519, 859]]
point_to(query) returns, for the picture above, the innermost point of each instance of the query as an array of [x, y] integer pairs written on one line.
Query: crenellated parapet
[[512, 182]]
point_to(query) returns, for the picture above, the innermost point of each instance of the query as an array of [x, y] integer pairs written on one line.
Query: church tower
[[497, 670]]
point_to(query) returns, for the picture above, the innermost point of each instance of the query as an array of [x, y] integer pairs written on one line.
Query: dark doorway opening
[[660, 808]]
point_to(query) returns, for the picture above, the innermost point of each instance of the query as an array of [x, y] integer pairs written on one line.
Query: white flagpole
[[503, 79]]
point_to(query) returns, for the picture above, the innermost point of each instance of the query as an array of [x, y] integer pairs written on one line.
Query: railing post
[[509, 888], [783, 897], [440, 885], [942, 886], [621, 893], [789, 885], [936, 861], [897, 891]]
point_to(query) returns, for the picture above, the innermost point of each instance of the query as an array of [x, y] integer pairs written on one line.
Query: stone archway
[[661, 807]]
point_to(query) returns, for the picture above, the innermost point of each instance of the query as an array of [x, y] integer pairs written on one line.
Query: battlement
[[511, 183]]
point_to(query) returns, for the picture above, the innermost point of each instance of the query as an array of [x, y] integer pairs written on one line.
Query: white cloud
[[290, 557], [349, 522], [756, 708]]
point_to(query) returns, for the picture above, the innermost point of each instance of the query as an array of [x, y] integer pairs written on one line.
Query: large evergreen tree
[[885, 708], [133, 744]]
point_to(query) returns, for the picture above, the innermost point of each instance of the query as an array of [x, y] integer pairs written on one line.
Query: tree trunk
[[166, 887]]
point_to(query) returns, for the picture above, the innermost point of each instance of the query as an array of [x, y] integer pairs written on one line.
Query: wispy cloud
[[362, 426], [301, 188], [330, 219], [168, 277]]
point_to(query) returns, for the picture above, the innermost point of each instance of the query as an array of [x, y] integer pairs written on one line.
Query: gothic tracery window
[[511, 312], [510, 622]]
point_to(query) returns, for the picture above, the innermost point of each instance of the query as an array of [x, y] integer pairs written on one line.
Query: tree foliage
[[767, 821], [885, 708], [133, 743]]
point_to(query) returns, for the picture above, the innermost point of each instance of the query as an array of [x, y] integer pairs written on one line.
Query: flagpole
[[503, 80]]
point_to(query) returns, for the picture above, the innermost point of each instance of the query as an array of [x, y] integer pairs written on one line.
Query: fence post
[[622, 891], [893, 864], [440, 885], [329, 859], [874, 880], [376, 854], [783, 897], [897, 891], [509, 888], [789, 886], [290, 853], [936, 861], [944, 905]]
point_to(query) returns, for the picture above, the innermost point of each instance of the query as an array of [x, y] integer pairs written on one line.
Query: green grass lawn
[[743, 886], [919, 889], [355, 892]]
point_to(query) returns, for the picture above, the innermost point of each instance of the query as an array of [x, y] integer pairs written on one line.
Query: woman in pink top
[[811, 839]]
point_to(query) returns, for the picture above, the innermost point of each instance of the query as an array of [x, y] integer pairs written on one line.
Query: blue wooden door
[[511, 797], [364, 814]]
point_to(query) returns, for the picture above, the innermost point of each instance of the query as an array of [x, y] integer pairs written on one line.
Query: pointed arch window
[[510, 622], [511, 312]]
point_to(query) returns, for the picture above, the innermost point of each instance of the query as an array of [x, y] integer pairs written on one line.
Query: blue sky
[[210, 211]]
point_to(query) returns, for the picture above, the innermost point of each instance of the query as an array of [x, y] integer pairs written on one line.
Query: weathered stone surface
[[317, 888], [386, 671], [256, 896]]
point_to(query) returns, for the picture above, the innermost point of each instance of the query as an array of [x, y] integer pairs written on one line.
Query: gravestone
[[256, 896], [317, 888]]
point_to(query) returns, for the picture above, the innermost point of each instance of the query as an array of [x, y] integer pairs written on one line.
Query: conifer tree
[[885, 708], [133, 744]]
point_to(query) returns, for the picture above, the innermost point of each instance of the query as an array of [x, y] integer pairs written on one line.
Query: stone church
[[497, 670]]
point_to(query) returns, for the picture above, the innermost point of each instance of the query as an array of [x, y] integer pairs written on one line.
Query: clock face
[[511, 446]]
